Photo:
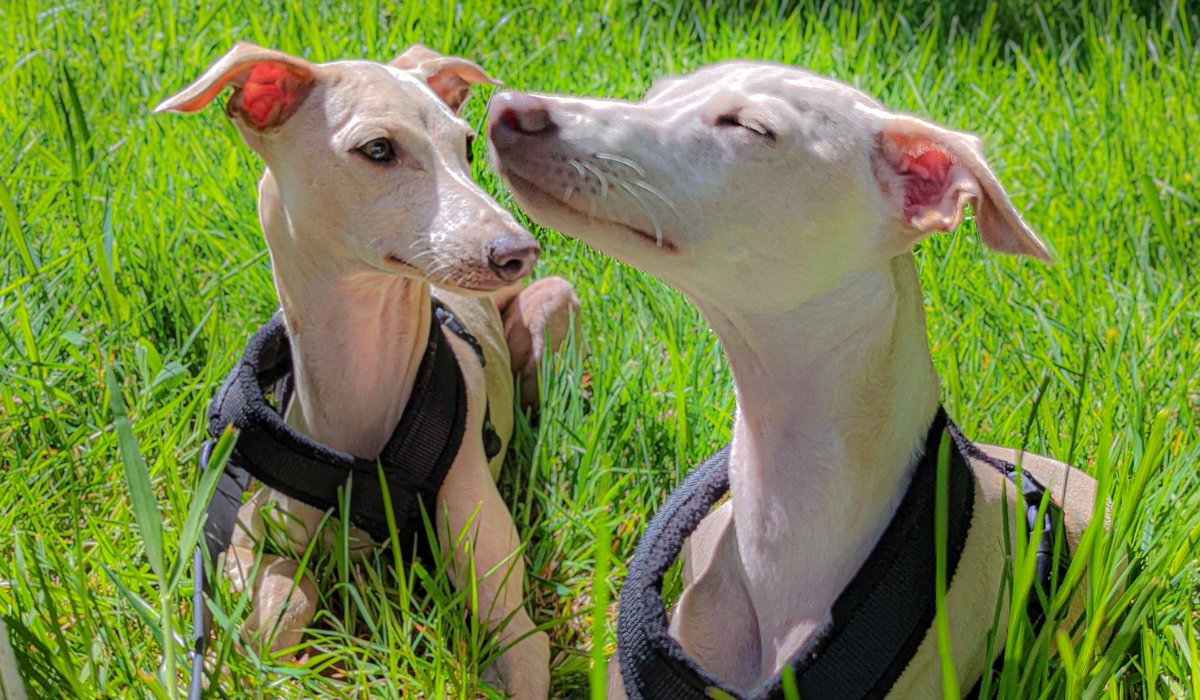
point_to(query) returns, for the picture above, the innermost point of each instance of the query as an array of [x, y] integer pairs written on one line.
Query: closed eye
[[737, 120], [470, 148]]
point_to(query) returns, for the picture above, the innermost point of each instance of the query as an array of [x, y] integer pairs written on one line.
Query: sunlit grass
[[129, 244]]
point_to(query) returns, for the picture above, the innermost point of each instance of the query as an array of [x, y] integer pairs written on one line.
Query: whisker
[[623, 161], [663, 198], [658, 237], [599, 176], [583, 175], [434, 272], [424, 253]]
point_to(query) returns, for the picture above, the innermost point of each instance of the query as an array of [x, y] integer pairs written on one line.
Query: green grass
[[130, 250]]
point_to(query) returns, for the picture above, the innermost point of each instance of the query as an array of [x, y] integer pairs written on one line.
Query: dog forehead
[[752, 78], [370, 88]]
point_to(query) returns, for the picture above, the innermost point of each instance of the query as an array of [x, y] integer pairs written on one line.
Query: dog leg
[[536, 319], [283, 607], [469, 502], [714, 619], [614, 689]]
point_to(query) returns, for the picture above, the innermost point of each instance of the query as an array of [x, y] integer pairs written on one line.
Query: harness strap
[[492, 444], [878, 621]]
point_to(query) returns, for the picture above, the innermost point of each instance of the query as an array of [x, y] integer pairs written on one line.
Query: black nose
[[512, 257], [520, 113]]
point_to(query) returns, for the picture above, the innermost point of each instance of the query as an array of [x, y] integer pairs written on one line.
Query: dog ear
[[450, 77], [928, 174], [269, 86]]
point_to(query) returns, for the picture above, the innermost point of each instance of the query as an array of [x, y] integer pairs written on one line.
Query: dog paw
[[524, 670], [282, 609], [537, 321]]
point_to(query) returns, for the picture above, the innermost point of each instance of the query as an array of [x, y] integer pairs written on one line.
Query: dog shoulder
[[714, 619], [700, 548], [1073, 491], [473, 377], [481, 318], [971, 601], [1070, 488]]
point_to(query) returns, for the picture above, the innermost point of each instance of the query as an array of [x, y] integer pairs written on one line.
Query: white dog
[[366, 203], [786, 206]]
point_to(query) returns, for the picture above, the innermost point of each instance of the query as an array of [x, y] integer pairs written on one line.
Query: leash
[[879, 619], [414, 461]]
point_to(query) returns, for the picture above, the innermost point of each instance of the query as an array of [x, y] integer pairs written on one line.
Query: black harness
[[414, 461], [878, 621]]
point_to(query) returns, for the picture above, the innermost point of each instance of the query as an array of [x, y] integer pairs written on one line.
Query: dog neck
[[834, 398], [357, 337]]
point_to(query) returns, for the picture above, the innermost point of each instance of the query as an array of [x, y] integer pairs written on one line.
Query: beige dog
[[368, 208], [786, 206]]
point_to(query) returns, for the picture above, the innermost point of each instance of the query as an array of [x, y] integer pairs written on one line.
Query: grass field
[[130, 246]]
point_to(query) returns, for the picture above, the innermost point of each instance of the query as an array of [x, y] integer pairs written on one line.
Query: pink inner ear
[[450, 87], [926, 171], [268, 90], [935, 190]]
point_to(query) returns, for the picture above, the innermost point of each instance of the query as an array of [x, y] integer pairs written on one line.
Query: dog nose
[[512, 257], [520, 113]]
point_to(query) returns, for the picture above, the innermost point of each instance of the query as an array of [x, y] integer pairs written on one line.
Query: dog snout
[[512, 257], [519, 113]]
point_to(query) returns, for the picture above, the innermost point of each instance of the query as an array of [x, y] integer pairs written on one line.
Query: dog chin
[[603, 234]]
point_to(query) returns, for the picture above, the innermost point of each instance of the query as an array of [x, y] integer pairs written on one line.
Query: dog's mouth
[[469, 286], [535, 196], [396, 261], [469, 279]]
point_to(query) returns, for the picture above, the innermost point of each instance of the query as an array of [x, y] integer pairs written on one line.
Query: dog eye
[[378, 150], [470, 148], [735, 119]]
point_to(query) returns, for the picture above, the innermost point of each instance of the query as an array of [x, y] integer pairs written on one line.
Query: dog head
[[370, 162], [747, 183]]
